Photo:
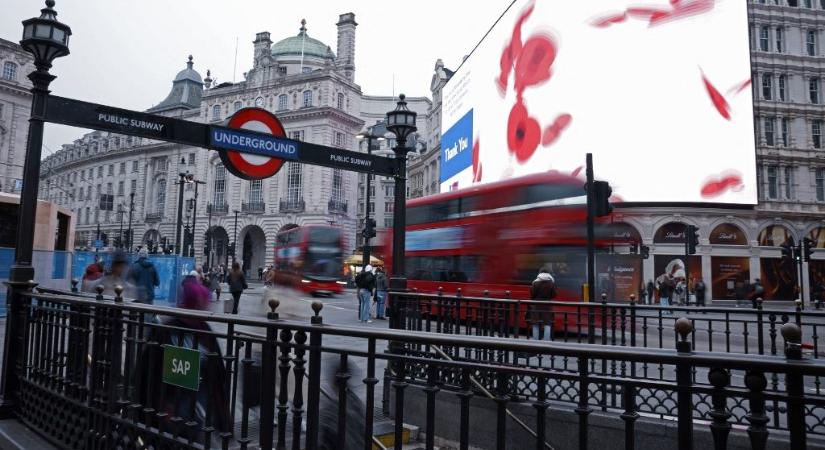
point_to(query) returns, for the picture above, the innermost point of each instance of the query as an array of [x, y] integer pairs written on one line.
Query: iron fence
[[87, 373]]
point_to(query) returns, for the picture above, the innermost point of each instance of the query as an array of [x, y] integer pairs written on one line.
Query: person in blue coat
[[145, 277]]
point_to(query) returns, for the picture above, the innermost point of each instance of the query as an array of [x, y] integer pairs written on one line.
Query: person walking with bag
[[365, 282], [382, 284], [237, 284]]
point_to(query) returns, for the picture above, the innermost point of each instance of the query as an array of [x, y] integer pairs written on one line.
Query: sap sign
[[456, 148]]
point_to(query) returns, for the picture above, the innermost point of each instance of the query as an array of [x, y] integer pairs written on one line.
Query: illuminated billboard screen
[[660, 94]]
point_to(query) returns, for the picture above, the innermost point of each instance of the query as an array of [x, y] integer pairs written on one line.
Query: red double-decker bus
[[493, 239], [309, 258]]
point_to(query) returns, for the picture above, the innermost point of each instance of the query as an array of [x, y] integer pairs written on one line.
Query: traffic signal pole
[[591, 264], [367, 229]]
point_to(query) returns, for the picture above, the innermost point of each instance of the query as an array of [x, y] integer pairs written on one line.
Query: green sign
[[181, 367]]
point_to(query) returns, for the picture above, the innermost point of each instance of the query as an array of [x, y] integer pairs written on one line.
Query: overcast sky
[[126, 53]]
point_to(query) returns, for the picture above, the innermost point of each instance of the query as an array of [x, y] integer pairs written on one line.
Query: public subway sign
[[253, 144]]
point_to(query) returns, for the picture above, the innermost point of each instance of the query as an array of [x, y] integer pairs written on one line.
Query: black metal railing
[[253, 207], [88, 375], [337, 206], [154, 217], [291, 205], [217, 209]]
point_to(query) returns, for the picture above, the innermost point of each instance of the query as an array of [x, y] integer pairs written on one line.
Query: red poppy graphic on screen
[[657, 15], [719, 101], [476, 163], [717, 185], [531, 65]]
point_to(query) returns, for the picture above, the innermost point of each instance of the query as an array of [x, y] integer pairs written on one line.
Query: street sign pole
[[591, 264]]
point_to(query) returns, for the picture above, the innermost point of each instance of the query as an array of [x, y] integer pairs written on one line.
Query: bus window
[[568, 265], [450, 269]]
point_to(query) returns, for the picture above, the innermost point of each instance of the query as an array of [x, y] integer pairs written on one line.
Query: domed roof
[[302, 44], [189, 73]]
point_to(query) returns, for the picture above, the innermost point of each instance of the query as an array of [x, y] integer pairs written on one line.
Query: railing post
[[629, 415], [583, 408], [795, 386], [720, 428], [501, 410], [757, 431], [314, 391], [760, 332], [684, 384], [431, 390], [14, 345], [400, 383], [267, 419]]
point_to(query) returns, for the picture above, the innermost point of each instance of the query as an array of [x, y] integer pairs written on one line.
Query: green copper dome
[[302, 44]]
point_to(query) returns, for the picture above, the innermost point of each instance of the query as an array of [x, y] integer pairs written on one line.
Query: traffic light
[[601, 198], [692, 238], [807, 249], [231, 249], [644, 251], [634, 248], [206, 249], [787, 250], [105, 238], [369, 229]]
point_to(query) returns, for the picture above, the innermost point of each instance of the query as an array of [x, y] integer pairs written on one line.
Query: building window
[[785, 126], [120, 186], [109, 188], [282, 70], [340, 101], [10, 71], [389, 190], [219, 191], [122, 168], [337, 185], [820, 185], [293, 184], [769, 131], [813, 90], [773, 182], [764, 39], [111, 170], [388, 207], [297, 135], [782, 82], [387, 222], [216, 112], [339, 139], [100, 171], [780, 40], [307, 98], [816, 133], [789, 179], [810, 42], [282, 99], [237, 106], [809, 4], [767, 86], [88, 213], [256, 192], [160, 197], [134, 166], [133, 186], [82, 175], [89, 192]]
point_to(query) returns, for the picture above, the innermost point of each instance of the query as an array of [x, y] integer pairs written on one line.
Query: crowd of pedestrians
[[371, 285]]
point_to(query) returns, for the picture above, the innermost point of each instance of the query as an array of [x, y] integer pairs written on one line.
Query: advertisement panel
[[729, 274], [817, 280], [618, 276], [552, 81], [674, 265], [778, 277]]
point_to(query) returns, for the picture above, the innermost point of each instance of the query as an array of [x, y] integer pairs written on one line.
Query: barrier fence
[[95, 373]]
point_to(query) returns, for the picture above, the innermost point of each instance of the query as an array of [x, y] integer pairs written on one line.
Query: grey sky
[[125, 53]]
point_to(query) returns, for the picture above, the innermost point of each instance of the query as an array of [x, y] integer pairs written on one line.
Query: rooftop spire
[[189, 63], [303, 28]]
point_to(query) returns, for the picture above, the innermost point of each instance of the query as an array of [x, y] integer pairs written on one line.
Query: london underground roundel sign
[[245, 165]]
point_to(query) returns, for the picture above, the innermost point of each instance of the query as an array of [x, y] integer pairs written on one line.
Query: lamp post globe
[[401, 123], [45, 37]]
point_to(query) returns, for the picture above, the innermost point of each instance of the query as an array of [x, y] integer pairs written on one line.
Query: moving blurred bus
[[310, 258]]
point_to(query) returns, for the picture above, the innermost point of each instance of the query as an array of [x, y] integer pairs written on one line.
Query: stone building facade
[[15, 108], [302, 81]]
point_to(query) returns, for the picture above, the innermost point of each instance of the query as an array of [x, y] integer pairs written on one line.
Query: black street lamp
[[195, 214], [401, 123], [369, 229], [129, 237], [179, 223], [235, 236], [46, 39]]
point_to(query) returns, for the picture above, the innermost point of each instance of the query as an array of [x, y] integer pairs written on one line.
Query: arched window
[[307, 98], [219, 196], [237, 106], [160, 197], [282, 102], [216, 112], [10, 71], [340, 101]]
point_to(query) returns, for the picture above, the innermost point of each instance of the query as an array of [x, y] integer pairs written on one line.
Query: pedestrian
[[382, 284], [651, 292], [91, 275], [699, 288], [757, 291], [117, 276], [260, 273], [666, 287], [215, 283], [543, 288], [237, 284], [144, 275], [192, 294], [365, 282]]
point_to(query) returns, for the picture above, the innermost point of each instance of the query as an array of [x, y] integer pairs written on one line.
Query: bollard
[[273, 306], [684, 383], [720, 427], [75, 282], [795, 386], [316, 308], [118, 293], [99, 290]]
